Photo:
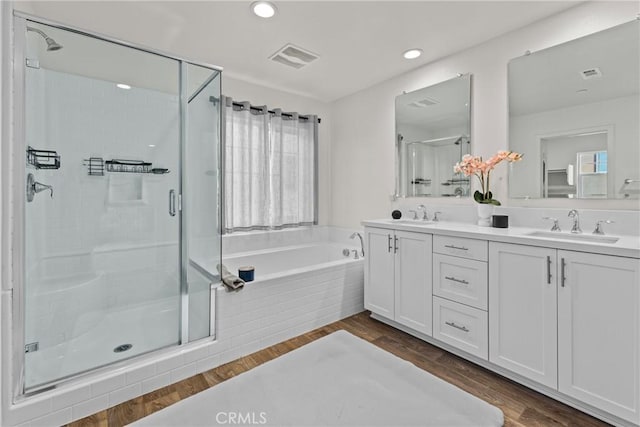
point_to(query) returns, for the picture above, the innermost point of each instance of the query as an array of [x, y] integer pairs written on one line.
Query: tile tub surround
[[248, 321]]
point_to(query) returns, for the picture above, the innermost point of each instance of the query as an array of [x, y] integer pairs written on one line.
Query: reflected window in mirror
[[432, 134], [574, 108]]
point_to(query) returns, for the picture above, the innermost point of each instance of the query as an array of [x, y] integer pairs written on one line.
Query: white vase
[[485, 210]]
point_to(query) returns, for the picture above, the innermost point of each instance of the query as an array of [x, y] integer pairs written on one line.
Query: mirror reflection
[[432, 135], [573, 110]]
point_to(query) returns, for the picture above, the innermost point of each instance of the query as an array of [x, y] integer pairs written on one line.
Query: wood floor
[[521, 406]]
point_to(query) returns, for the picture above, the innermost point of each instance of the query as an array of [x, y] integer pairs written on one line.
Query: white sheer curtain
[[269, 168]]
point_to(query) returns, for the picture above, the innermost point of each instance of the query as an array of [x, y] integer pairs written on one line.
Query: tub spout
[[353, 236]]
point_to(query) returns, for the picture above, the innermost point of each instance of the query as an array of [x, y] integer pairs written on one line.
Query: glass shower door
[[102, 220], [202, 189]]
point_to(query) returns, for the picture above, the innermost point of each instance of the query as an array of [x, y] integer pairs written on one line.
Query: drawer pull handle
[[453, 279], [453, 325], [461, 248]]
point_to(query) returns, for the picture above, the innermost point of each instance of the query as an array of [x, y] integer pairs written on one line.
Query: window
[[270, 168]]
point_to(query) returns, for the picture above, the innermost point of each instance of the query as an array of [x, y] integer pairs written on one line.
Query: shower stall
[[118, 148]]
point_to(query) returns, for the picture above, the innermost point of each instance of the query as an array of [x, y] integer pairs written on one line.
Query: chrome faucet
[[599, 229], [415, 213], [555, 226], [353, 236], [576, 221], [424, 214], [435, 216]]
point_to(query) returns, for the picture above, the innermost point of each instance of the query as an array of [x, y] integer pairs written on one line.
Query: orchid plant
[[474, 165]]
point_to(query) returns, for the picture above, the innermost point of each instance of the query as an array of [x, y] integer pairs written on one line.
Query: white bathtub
[[288, 260], [297, 287]]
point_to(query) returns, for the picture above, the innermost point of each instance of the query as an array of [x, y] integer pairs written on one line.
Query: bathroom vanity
[[557, 312]]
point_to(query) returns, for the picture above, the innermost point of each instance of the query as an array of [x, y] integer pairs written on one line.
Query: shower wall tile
[[108, 384], [70, 397], [125, 393], [89, 407], [208, 363], [196, 354], [139, 374], [170, 363], [26, 411], [183, 372], [156, 382], [57, 418]]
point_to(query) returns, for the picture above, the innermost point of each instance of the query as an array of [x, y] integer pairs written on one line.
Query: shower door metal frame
[[18, 199]]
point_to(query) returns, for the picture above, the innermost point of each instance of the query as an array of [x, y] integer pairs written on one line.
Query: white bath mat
[[338, 380]]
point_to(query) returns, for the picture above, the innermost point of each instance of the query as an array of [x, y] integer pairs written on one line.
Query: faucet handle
[[556, 226], [423, 208], [435, 216], [415, 213], [599, 229]]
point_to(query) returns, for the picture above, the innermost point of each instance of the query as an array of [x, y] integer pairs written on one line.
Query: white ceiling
[[360, 43]]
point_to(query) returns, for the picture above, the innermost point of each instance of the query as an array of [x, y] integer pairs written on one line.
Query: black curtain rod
[[251, 107]]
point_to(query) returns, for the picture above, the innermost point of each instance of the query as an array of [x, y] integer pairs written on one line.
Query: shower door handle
[[172, 202]]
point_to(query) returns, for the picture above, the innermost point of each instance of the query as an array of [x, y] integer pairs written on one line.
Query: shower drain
[[122, 347]]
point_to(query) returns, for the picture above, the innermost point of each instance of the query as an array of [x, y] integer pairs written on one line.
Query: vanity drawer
[[461, 326], [462, 247], [460, 280]]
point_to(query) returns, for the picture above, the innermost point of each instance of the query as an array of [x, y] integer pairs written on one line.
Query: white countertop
[[626, 246]]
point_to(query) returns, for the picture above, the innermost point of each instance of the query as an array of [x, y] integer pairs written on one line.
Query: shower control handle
[[34, 187], [172, 202]]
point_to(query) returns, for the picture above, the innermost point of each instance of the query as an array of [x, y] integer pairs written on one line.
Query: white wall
[[362, 152], [261, 95]]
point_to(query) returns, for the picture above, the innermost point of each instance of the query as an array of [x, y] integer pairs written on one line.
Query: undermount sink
[[574, 237], [412, 221]]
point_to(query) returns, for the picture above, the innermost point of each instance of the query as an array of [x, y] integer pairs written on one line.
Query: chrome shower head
[[52, 45]]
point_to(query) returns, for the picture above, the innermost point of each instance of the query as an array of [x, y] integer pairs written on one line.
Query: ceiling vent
[[591, 73], [293, 56], [423, 103]]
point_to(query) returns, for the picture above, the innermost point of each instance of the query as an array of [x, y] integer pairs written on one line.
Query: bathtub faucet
[[353, 236]]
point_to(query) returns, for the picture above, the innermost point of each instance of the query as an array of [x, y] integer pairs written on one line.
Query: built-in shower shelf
[[43, 159], [128, 166], [97, 166]]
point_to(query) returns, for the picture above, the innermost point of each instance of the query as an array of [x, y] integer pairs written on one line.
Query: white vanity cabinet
[[398, 274], [523, 311], [568, 320], [599, 331], [562, 318]]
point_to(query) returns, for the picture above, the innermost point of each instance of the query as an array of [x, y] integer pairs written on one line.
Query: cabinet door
[[598, 332], [378, 272], [413, 278], [523, 311]]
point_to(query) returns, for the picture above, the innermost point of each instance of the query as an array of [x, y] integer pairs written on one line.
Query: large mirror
[[432, 134], [573, 112]]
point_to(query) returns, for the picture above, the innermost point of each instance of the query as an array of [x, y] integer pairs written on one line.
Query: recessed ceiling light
[[264, 9], [152, 145], [412, 53], [582, 90], [123, 86]]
